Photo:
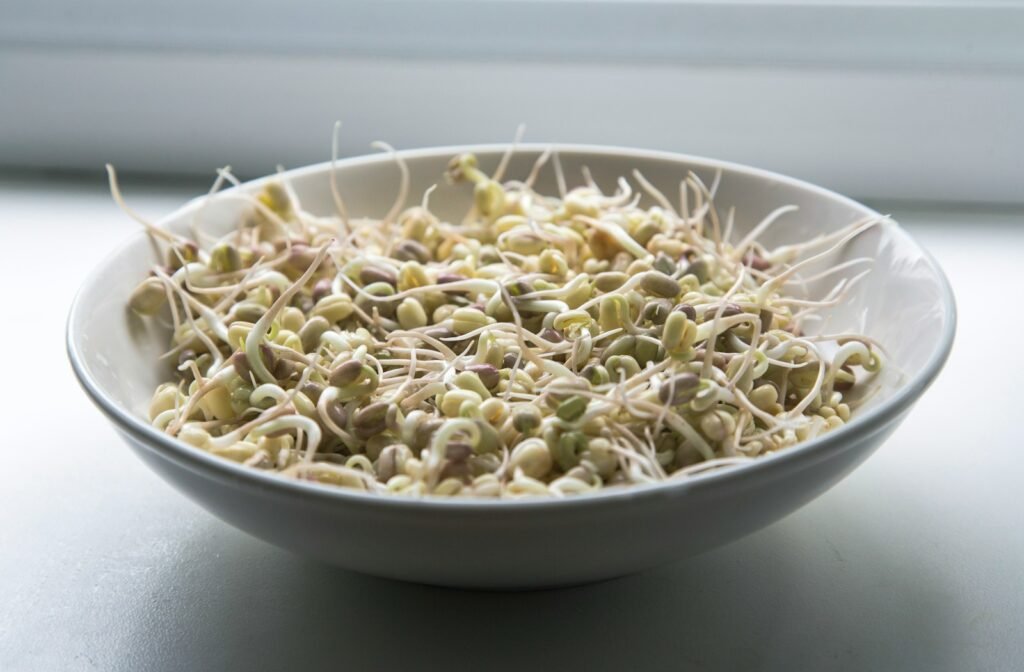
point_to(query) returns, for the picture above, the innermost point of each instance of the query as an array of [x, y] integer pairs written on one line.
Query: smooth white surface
[[914, 562]]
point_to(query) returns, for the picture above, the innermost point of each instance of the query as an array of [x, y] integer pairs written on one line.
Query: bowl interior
[[903, 303]]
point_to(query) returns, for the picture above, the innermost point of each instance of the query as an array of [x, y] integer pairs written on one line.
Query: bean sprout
[[546, 345]]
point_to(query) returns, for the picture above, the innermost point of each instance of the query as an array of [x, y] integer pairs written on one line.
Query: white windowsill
[[914, 562]]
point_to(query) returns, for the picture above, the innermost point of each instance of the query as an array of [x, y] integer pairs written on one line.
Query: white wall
[[917, 100]]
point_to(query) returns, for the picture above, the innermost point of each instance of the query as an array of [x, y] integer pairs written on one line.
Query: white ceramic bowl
[[905, 303]]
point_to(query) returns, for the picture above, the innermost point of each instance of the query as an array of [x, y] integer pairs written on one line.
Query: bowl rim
[[212, 466]]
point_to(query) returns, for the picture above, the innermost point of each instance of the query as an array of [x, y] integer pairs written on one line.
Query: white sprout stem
[[499, 172], [775, 283], [403, 190], [339, 204], [310, 428], [619, 234], [259, 330], [537, 166]]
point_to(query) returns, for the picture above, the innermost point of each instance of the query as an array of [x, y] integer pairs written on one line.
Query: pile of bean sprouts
[[545, 345]]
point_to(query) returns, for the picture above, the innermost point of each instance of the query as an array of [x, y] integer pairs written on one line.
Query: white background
[[910, 100]]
